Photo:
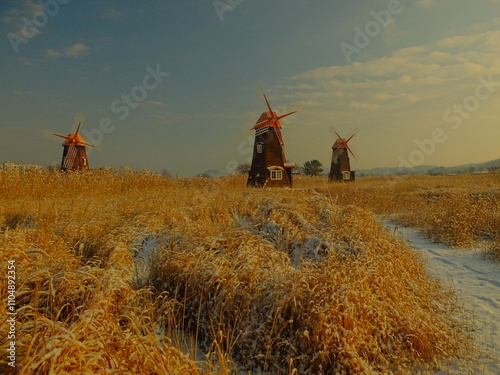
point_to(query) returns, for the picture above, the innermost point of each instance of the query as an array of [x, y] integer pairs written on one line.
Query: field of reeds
[[137, 274], [460, 211]]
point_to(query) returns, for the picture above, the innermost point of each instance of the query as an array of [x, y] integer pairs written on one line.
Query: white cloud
[[75, 51], [400, 97], [23, 92], [113, 14], [425, 3], [26, 62], [170, 117], [415, 68], [152, 103]]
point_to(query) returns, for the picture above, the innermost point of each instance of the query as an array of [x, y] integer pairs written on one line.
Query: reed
[[460, 211], [142, 274]]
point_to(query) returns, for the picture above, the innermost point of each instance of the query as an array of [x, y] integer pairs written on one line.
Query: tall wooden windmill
[[269, 167], [74, 154], [340, 169]]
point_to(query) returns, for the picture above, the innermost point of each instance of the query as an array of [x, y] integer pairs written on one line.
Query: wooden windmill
[[74, 153], [269, 167], [340, 169]]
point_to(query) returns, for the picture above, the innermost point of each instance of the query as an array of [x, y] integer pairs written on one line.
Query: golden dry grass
[[301, 281], [460, 211]]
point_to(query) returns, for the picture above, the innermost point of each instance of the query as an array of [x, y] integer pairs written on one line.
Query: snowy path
[[476, 282]]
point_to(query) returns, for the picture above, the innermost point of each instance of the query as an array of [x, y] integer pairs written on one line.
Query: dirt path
[[477, 284]]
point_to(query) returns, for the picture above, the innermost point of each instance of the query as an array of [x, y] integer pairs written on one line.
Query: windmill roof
[[78, 140], [338, 143], [275, 167], [262, 119]]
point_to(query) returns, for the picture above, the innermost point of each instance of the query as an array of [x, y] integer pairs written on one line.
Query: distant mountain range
[[419, 169], [432, 169]]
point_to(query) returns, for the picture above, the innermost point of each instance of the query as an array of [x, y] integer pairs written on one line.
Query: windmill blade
[[94, 144], [288, 114], [70, 156], [55, 137], [77, 122], [300, 106], [350, 149], [276, 119], [272, 119], [344, 141], [62, 136], [268, 106], [77, 129], [348, 139], [352, 153], [337, 152], [258, 124], [280, 136], [353, 133], [332, 130], [85, 144], [272, 113], [260, 89], [97, 146]]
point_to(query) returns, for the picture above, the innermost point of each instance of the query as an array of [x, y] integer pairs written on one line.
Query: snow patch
[[476, 282], [143, 258]]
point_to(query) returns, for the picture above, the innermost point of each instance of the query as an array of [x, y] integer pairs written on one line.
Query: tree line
[[310, 168]]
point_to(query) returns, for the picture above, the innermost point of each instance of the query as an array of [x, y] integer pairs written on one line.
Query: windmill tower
[[74, 153], [269, 167], [340, 169]]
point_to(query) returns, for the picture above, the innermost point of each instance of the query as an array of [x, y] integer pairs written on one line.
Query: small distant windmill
[[74, 153], [269, 167], [340, 169]]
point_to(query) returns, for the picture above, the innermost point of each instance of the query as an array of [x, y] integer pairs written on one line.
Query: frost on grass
[[314, 287], [279, 281]]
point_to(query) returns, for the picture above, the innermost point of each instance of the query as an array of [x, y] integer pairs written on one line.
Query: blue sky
[[420, 79]]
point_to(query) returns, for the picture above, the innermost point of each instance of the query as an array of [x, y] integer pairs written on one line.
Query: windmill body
[[74, 154], [269, 167], [340, 169]]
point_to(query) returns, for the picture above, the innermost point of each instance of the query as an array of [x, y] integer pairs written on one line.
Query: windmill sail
[[69, 160]]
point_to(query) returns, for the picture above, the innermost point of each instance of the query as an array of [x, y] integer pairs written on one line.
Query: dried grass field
[[136, 274]]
